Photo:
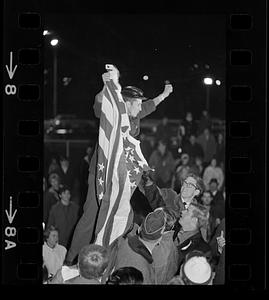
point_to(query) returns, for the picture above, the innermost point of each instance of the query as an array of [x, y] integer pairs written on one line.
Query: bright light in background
[[208, 81], [54, 42], [218, 82], [46, 32], [145, 77]]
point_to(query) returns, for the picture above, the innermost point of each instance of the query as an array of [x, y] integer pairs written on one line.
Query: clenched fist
[[112, 74], [168, 89]]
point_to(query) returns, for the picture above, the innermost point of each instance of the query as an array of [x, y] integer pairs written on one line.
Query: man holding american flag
[[117, 164]]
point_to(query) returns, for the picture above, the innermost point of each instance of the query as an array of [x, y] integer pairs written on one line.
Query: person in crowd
[[69, 177], [53, 253], [218, 202], [206, 200], [174, 202], [51, 196], [136, 110], [165, 255], [196, 270], [220, 150], [197, 167], [208, 143], [162, 161], [163, 130], [92, 263], [189, 128], [193, 149], [190, 237], [135, 250], [181, 172], [218, 252], [180, 134], [125, 275], [64, 215], [213, 171], [54, 166], [84, 174], [204, 122]]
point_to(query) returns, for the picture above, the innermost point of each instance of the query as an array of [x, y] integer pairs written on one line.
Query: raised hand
[[112, 73], [168, 89]]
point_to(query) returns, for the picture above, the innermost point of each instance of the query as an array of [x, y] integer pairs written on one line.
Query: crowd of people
[[178, 232], [167, 245]]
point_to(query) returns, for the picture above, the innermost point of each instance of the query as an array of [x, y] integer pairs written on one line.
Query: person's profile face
[[187, 221]]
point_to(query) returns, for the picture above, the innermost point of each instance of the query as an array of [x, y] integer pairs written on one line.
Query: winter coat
[[195, 242], [133, 253], [64, 217], [165, 258]]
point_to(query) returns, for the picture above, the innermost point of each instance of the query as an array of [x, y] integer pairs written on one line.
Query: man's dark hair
[[48, 231], [126, 275], [64, 188], [92, 261]]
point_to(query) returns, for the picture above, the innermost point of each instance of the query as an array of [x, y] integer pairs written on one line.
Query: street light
[[54, 43], [208, 81]]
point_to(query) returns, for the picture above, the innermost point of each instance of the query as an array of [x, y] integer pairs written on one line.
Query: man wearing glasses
[[172, 202], [191, 187]]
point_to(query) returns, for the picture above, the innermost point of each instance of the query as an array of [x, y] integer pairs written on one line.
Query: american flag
[[120, 165]]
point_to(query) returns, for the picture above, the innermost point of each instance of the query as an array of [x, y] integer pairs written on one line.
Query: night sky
[[176, 47]]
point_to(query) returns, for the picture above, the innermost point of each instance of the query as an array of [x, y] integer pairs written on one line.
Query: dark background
[[170, 46]]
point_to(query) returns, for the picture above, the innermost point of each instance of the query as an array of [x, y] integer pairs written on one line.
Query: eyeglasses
[[189, 184]]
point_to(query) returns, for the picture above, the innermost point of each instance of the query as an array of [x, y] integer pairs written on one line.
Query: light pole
[[208, 82], [54, 43]]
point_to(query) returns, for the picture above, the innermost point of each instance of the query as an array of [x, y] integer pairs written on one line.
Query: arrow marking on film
[[11, 71], [9, 214]]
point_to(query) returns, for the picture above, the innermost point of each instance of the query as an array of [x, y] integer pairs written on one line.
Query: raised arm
[[150, 105]]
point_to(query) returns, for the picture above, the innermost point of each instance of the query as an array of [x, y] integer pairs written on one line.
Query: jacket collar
[[137, 246]]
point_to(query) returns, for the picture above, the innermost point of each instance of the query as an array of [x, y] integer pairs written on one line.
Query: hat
[[133, 92], [197, 270], [152, 226]]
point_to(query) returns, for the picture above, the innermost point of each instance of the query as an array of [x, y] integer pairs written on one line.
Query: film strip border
[[22, 146], [245, 152], [23, 149]]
